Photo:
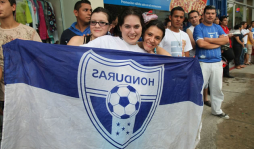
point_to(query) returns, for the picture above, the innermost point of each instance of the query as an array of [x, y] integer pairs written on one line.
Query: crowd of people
[[128, 31]]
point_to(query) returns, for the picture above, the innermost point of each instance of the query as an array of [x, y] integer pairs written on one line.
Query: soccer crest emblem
[[123, 101], [120, 96]]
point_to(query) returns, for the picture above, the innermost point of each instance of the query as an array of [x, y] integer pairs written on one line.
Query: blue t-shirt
[[78, 32], [200, 32]]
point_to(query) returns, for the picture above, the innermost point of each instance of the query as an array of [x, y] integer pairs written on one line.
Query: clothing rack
[[37, 16]]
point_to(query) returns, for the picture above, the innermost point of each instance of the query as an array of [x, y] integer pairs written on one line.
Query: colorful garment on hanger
[[51, 18], [37, 10], [55, 33], [23, 14], [35, 18], [42, 26], [31, 8]]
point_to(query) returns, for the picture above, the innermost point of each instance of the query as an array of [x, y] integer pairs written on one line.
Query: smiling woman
[[99, 26], [152, 37], [130, 24]]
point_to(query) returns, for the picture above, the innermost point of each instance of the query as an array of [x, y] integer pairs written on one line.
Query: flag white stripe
[[37, 118]]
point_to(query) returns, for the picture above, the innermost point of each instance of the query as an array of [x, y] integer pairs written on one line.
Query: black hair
[[237, 26], [252, 22], [78, 4], [156, 23], [192, 11], [130, 11], [222, 18], [248, 26], [12, 2], [243, 22], [113, 11], [176, 8], [100, 9], [166, 21], [209, 7]]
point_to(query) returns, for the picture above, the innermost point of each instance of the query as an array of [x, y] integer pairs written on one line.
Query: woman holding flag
[[152, 37], [130, 24], [99, 26]]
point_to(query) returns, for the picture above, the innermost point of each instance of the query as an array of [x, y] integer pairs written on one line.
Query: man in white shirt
[[194, 18], [176, 42], [245, 32], [245, 38]]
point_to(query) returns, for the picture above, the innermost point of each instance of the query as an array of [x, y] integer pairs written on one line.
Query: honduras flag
[[67, 97]]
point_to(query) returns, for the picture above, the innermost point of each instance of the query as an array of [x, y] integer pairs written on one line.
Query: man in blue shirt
[[209, 37], [82, 11]]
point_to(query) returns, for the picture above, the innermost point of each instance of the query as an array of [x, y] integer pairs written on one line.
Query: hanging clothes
[[39, 14], [35, 18], [31, 8], [51, 22], [55, 33], [42, 25], [37, 10], [23, 14], [51, 17]]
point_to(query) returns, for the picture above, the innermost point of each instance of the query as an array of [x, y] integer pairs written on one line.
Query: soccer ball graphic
[[123, 101]]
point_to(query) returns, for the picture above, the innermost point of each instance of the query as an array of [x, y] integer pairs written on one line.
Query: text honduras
[[122, 78]]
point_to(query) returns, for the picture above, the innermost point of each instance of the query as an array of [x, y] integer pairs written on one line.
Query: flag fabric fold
[[60, 96]]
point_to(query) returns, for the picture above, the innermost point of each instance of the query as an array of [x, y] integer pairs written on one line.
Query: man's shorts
[[249, 49]]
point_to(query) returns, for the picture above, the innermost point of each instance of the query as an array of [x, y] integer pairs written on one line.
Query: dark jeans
[[230, 55], [237, 51], [226, 70], [242, 57]]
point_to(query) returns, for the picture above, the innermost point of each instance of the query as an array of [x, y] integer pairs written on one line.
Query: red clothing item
[[42, 26], [226, 30]]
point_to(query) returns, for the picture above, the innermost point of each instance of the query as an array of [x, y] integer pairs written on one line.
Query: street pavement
[[238, 131]]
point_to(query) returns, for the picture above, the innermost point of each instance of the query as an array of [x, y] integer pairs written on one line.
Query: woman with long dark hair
[[130, 23], [152, 36]]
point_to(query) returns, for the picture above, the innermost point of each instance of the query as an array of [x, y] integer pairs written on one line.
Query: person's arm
[[206, 45], [187, 54], [239, 41], [245, 34], [1, 72], [251, 37], [76, 41], [193, 43], [162, 51], [188, 46], [199, 38], [222, 40], [36, 37]]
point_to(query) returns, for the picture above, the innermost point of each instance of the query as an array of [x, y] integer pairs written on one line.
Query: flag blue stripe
[[55, 68]]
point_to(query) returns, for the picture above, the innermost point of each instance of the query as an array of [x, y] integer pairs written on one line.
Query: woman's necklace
[[176, 38]]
